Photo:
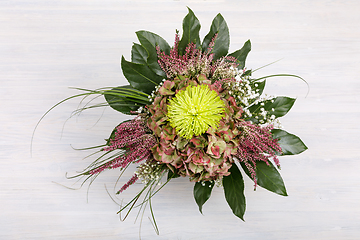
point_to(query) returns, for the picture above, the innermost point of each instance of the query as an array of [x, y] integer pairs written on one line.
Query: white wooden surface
[[48, 46]]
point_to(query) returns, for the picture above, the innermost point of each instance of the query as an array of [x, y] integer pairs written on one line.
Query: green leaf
[[258, 86], [278, 107], [289, 143], [149, 41], [202, 192], [139, 54], [125, 99], [172, 174], [154, 40], [222, 41], [234, 191], [191, 28], [241, 54], [140, 76], [268, 177]]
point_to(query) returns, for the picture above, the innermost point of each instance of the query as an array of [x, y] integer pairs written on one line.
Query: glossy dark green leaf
[[139, 54], [278, 107], [234, 191], [202, 192], [241, 54], [154, 39], [281, 106], [125, 99], [258, 86], [191, 28], [122, 104], [172, 174], [140, 76], [222, 41], [149, 41], [268, 177], [289, 143]]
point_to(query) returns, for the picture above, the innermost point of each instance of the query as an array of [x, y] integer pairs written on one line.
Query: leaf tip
[[200, 210]]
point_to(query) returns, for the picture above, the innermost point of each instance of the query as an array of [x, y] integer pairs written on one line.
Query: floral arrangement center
[[197, 112], [194, 110]]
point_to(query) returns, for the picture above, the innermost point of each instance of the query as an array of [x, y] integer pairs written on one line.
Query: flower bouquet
[[197, 112]]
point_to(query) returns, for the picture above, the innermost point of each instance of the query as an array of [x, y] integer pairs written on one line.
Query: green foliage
[[125, 99], [278, 107], [172, 174], [222, 41], [241, 54], [268, 177], [289, 143], [234, 191], [202, 192], [258, 85], [144, 74], [149, 41], [140, 76], [191, 28], [139, 54], [146, 37]]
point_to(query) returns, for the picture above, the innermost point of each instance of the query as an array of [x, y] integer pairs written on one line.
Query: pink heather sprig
[[211, 44], [132, 136], [174, 53], [173, 63], [132, 180], [256, 144], [127, 133], [195, 62]]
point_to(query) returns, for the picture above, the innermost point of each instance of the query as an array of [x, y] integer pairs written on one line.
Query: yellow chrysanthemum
[[193, 110]]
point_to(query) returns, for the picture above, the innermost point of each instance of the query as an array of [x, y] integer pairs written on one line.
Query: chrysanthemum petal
[[194, 110]]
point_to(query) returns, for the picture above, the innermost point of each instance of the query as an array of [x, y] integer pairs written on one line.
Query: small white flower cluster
[[217, 182], [140, 109], [149, 171], [155, 92], [245, 96], [266, 117], [240, 89]]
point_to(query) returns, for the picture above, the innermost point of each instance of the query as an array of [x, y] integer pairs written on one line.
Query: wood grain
[[48, 46]]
